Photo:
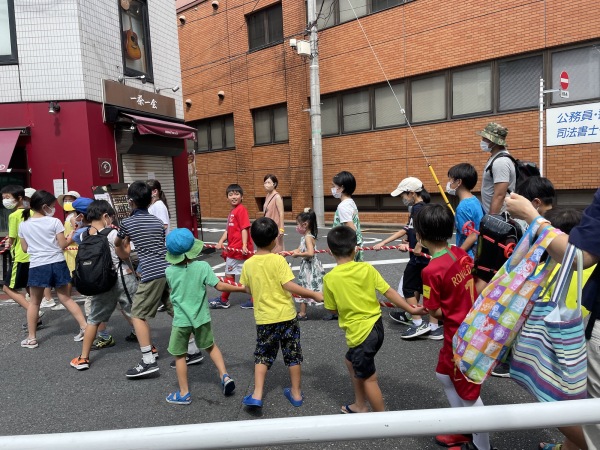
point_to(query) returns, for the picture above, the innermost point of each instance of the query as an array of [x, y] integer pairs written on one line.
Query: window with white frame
[[387, 108], [519, 81], [472, 90], [270, 125], [215, 134], [265, 27], [429, 99], [8, 35], [583, 67]]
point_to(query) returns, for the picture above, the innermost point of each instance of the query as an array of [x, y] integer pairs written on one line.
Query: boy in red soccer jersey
[[238, 239], [448, 293]]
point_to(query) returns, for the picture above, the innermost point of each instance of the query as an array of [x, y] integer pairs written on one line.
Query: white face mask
[[9, 203], [484, 146], [25, 204], [449, 190], [407, 201], [48, 211], [335, 193]]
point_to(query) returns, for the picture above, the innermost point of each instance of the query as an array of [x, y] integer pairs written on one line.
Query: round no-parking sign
[[564, 80]]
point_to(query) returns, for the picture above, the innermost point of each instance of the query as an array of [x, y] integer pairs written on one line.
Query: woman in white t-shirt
[[159, 207], [43, 237], [344, 185]]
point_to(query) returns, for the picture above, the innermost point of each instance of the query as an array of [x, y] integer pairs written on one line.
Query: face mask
[[25, 204], [48, 211], [484, 146], [407, 201], [300, 230], [449, 190], [335, 193], [9, 203]]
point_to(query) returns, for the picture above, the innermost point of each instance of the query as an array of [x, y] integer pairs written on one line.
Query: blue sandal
[[177, 399], [228, 386]]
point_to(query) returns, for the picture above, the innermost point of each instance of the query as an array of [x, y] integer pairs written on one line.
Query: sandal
[[29, 343], [549, 446], [227, 385], [177, 399], [302, 317]]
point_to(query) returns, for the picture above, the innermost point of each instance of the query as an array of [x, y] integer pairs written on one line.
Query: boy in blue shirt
[[187, 279], [462, 179]]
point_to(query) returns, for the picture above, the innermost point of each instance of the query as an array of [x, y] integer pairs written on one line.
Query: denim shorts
[[49, 275]]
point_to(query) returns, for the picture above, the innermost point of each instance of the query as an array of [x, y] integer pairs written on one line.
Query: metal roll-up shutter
[[144, 167]]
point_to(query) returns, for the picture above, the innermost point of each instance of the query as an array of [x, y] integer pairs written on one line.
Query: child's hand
[[295, 253], [318, 297], [244, 249], [377, 246], [219, 245], [403, 247], [418, 310]]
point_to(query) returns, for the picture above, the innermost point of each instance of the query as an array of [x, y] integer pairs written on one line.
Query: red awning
[[146, 125], [8, 140]]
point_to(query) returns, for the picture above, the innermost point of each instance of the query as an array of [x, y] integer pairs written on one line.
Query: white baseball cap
[[410, 184]]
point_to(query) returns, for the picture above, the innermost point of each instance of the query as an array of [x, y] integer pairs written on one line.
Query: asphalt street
[[41, 393]]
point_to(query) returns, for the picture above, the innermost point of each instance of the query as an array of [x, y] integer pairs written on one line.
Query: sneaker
[[80, 363], [437, 334], [142, 369], [131, 337], [190, 360], [247, 305], [228, 385], [401, 317], [330, 317], [502, 370], [79, 336], [29, 343], [415, 331], [41, 314], [39, 326], [161, 308], [155, 352], [216, 303], [58, 307], [101, 342], [451, 440], [47, 303]]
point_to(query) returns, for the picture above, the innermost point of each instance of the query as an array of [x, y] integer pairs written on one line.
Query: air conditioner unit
[[303, 48]]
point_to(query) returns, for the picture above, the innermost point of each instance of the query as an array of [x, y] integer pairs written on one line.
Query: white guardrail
[[327, 428]]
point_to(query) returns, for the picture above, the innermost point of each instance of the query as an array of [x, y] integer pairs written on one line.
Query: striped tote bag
[[549, 356]]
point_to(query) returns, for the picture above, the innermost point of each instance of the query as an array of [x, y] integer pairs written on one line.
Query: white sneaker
[[47, 303], [79, 336], [41, 313], [27, 297], [58, 307]]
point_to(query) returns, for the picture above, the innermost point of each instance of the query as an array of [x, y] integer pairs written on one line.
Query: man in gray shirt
[[501, 179]]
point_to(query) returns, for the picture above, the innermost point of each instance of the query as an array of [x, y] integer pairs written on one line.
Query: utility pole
[[315, 117]]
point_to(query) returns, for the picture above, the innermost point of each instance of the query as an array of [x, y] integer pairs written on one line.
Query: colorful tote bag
[[489, 329], [549, 356]]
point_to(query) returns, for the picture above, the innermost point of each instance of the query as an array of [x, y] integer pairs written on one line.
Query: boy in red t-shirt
[[448, 293], [238, 240]]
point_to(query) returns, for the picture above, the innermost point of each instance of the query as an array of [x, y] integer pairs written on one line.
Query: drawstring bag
[[549, 356], [485, 336]]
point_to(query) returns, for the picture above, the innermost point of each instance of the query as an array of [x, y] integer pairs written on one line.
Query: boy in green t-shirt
[[187, 279], [17, 274], [268, 278], [349, 291]]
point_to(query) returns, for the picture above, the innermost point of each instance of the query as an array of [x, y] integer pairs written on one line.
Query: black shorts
[[412, 284], [17, 275], [362, 356]]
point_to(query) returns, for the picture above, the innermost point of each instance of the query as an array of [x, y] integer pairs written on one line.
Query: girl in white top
[[43, 237], [159, 207]]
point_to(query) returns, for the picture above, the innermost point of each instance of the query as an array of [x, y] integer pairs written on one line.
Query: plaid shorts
[[270, 336]]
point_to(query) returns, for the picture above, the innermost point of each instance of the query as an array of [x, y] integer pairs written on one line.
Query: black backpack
[[523, 169], [94, 270]]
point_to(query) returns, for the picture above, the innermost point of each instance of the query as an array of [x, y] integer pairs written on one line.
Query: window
[[472, 91], [429, 99], [135, 37], [265, 27], [8, 35], [387, 111], [583, 67], [329, 116], [355, 111], [333, 12], [519, 82], [215, 134], [270, 125]]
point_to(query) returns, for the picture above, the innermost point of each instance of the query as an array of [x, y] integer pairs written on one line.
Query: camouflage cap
[[495, 133]]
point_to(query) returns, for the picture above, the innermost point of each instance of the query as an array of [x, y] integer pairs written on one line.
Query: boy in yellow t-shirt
[[268, 278], [349, 291]]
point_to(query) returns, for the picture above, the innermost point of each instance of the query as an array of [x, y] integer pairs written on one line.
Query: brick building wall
[[417, 38]]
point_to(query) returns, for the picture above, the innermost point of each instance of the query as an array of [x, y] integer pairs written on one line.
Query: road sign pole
[[541, 127]]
